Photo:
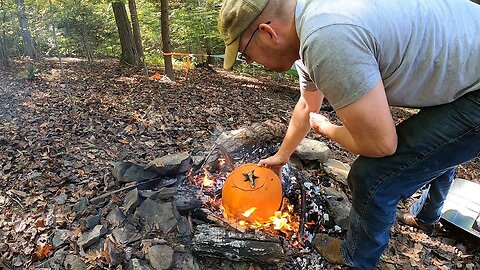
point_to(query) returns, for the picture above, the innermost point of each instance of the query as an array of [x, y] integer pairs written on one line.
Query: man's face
[[264, 47]]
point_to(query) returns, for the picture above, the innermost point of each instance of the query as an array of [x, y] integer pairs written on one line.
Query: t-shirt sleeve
[[306, 84], [341, 61]]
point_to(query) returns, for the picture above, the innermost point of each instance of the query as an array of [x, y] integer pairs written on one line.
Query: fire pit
[[276, 234]]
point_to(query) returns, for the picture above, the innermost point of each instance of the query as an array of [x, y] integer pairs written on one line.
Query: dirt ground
[[63, 137]]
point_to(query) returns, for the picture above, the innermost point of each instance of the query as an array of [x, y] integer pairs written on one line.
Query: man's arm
[[297, 129], [368, 128]]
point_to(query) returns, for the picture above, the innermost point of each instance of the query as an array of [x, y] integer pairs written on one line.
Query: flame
[[280, 221], [249, 212], [207, 182], [221, 161], [284, 222]]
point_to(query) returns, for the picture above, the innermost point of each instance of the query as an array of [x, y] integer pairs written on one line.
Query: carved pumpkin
[[251, 192]]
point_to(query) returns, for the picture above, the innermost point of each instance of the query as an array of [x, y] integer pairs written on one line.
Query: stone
[[160, 257], [184, 227], [340, 205], [185, 261], [131, 172], [337, 170], [313, 150], [97, 246], [186, 200], [74, 262], [136, 264], [60, 237], [116, 217], [60, 199], [157, 215], [126, 235], [171, 164], [81, 205], [90, 222], [131, 201], [164, 193], [89, 238]]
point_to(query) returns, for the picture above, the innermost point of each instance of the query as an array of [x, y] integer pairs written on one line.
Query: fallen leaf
[[42, 252]]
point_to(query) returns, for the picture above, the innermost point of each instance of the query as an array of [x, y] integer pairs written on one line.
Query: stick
[[100, 198]]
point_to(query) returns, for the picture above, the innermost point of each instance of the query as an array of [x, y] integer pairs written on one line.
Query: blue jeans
[[431, 144]]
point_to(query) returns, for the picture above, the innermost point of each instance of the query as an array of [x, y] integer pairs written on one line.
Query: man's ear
[[267, 27]]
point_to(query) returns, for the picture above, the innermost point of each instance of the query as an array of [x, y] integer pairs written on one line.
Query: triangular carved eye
[[250, 176]]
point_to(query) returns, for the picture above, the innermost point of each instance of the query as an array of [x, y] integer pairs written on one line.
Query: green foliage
[[29, 73], [79, 23]]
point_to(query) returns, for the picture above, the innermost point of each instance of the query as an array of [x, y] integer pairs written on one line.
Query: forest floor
[[63, 138]]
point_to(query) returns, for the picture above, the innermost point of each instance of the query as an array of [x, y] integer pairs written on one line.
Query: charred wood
[[219, 242]]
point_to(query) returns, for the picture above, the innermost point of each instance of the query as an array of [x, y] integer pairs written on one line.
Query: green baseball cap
[[235, 16]]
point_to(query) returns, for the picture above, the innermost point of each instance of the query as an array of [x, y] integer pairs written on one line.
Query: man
[[364, 56]]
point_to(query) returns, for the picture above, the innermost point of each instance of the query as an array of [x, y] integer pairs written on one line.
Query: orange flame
[[221, 161], [207, 182], [249, 212]]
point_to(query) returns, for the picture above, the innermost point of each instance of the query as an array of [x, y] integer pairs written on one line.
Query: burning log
[[265, 133], [219, 242]]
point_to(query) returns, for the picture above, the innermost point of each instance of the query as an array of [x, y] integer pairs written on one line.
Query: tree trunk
[[4, 61], [85, 39], [28, 47], [129, 52], [137, 37], [207, 41], [166, 39]]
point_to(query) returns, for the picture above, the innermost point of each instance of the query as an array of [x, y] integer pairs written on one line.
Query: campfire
[[228, 207], [266, 209]]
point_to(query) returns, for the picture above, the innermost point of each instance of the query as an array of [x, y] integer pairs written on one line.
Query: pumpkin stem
[[250, 176]]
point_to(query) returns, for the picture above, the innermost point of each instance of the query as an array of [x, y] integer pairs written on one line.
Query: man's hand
[[319, 123], [275, 163]]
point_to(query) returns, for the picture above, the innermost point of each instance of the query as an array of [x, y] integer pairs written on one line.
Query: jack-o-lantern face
[[251, 193]]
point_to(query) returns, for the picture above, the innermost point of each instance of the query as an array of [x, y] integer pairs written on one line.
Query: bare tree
[[83, 32], [167, 47], [28, 47], [4, 61], [129, 51], [137, 37]]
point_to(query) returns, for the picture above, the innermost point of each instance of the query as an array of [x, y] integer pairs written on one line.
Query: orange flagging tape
[[188, 55]]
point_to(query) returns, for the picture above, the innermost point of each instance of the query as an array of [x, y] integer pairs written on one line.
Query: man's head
[[255, 27], [235, 17]]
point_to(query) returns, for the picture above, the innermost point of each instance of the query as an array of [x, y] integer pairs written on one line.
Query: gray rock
[[97, 246], [131, 201], [61, 199], [313, 150], [60, 237], [198, 160], [90, 222], [186, 199], [157, 215], [164, 193], [74, 262], [116, 217], [337, 170], [89, 238], [185, 228], [185, 261], [160, 257], [126, 235], [136, 264], [131, 172], [81, 205], [340, 205], [171, 164], [295, 162]]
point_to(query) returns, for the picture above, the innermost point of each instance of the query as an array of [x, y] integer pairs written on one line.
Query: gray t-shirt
[[427, 52]]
